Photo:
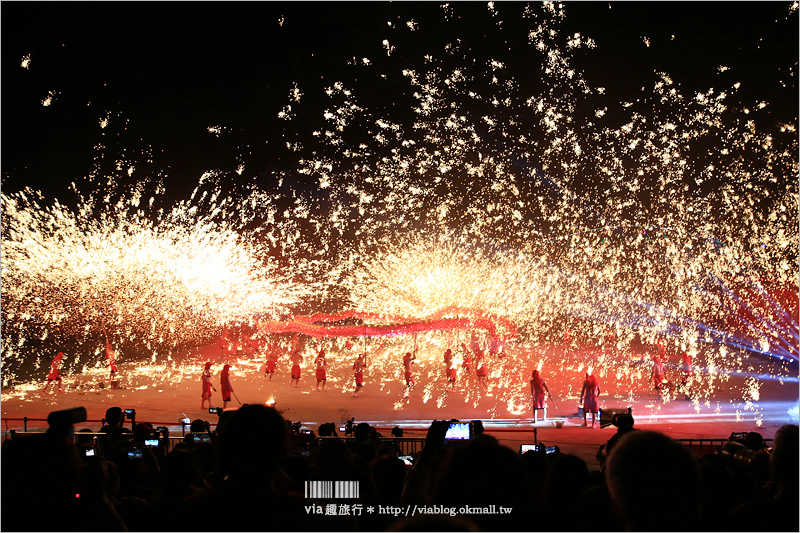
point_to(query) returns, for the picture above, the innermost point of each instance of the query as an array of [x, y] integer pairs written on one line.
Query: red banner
[[307, 325]]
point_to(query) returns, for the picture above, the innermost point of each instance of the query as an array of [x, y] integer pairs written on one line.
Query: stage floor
[[758, 396]]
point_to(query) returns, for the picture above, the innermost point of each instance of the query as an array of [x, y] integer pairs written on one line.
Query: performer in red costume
[[687, 372], [225, 385], [321, 373], [272, 361], [538, 389], [467, 359], [408, 360], [481, 368], [296, 359], [359, 367], [207, 386], [589, 393], [662, 348], [55, 372], [658, 374]]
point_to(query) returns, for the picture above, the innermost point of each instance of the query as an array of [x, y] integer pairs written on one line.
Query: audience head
[[646, 468], [114, 416], [783, 461], [253, 441]]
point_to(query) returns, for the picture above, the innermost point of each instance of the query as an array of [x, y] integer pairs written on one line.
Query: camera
[[130, 413], [407, 459], [66, 417], [152, 443], [136, 453], [527, 448], [459, 431], [201, 437], [215, 411], [622, 420], [88, 452]]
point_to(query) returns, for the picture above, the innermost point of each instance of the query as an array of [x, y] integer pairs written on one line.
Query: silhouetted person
[[40, 480], [565, 482], [253, 442], [481, 473], [589, 393], [644, 471], [781, 512], [114, 434]]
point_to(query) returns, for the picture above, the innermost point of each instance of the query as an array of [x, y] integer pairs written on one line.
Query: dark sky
[[171, 70]]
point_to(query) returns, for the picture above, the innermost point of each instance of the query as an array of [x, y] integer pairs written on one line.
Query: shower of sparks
[[545, 202]]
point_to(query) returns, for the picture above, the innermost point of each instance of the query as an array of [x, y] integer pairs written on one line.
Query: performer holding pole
[[296, 358], [321, 372], [225, 385], [358, 367], [538, 389], [408, 360]]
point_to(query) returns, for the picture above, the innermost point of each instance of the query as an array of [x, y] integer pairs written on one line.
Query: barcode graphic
[[331, 489]]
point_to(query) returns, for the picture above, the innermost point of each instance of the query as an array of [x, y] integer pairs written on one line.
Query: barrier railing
[[405, 445]]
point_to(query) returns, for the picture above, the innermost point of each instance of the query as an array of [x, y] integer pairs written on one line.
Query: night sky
[[165, 72], [239, 160]]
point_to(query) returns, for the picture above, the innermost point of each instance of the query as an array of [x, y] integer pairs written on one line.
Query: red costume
[[408, 360], [295, 371], [538, 390], [320, 361], [206, 379], [225, 383], [658, 373], [358, 366], [55, 368], [480, 362], [589, 394]]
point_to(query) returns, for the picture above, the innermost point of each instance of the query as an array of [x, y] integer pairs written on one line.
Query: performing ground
[[760, 398]]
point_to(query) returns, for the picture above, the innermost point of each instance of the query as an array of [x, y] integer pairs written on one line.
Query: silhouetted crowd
[[254, 471]]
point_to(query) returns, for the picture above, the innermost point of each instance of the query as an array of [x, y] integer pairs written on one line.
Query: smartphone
[[459, 431], [527, 448], [88, 452], [407, 459], [135, 454], [152, 443], [550, 449], [130, 412], [201, 437]]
